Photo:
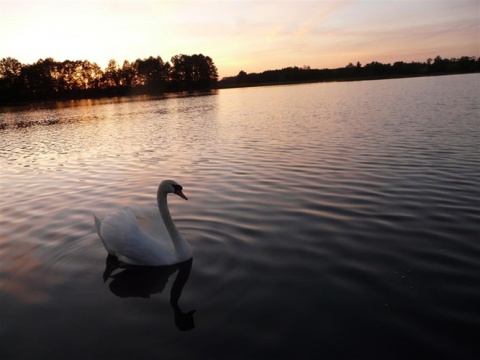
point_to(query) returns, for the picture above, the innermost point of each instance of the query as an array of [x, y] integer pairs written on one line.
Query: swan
[[145, 236]]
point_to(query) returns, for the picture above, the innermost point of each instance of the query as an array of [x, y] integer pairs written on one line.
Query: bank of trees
[[50, 79], [373, 70]]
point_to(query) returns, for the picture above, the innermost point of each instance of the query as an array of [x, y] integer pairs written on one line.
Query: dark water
[[336, 221]]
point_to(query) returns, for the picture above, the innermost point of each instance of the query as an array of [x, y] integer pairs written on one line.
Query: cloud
[[240, 34]]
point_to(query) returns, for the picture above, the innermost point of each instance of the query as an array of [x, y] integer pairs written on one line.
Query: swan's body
[[145, 236]]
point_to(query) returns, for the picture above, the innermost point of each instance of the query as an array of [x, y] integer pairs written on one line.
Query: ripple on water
[[330, 220]]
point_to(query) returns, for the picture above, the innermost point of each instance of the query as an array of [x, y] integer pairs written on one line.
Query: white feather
[[145, 235]]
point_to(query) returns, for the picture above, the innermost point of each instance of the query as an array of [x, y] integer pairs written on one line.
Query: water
[[336, 220]]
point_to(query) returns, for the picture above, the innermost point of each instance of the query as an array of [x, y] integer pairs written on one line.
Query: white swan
[[145, 236]]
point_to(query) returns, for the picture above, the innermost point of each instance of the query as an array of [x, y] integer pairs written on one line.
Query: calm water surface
[[335, 221]]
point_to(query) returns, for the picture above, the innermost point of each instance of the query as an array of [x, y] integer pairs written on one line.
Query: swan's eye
[[177, 187]]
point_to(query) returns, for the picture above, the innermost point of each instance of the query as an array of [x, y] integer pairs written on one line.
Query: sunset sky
[[249, 35]]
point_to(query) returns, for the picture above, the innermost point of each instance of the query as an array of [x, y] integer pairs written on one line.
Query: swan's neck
[[181, 246]]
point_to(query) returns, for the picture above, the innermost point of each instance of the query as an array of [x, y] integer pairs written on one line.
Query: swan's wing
[[151, 223], [116, 229], [136, 238]]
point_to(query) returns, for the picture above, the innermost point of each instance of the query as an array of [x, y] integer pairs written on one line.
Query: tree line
[[49, 79], [373, 70]]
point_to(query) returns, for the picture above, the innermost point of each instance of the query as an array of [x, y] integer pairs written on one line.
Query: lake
[[327, 221]]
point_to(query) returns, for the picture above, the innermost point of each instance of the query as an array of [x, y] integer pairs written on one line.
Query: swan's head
[[170, 186]]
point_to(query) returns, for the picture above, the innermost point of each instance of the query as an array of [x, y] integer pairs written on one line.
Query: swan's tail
[[98, 224]]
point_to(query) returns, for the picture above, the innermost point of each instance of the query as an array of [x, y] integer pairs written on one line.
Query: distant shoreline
[[366, 78], [358, 72], [225, 87], [29, 85]]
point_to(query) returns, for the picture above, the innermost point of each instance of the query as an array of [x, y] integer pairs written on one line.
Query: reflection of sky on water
[[319, 201], [19, 270]]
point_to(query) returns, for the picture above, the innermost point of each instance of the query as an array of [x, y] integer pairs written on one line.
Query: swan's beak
[[181, 194]]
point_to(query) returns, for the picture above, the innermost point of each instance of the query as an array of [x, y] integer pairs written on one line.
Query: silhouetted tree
[[241, 77], [10, 70], [40, 80], [194, 72], [112, 77], [129, 74], [204, 72], [153, 73], [468, 64], [92, 75]]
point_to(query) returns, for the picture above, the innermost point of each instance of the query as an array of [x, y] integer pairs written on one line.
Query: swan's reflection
[[143, 281]]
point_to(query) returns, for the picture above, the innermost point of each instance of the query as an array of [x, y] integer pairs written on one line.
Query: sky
[[248, 35]]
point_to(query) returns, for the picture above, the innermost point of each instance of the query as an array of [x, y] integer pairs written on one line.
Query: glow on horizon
[[249, 35]]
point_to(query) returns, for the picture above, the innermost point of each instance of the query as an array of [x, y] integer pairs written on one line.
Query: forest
[[49, 79], [373, 70]]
